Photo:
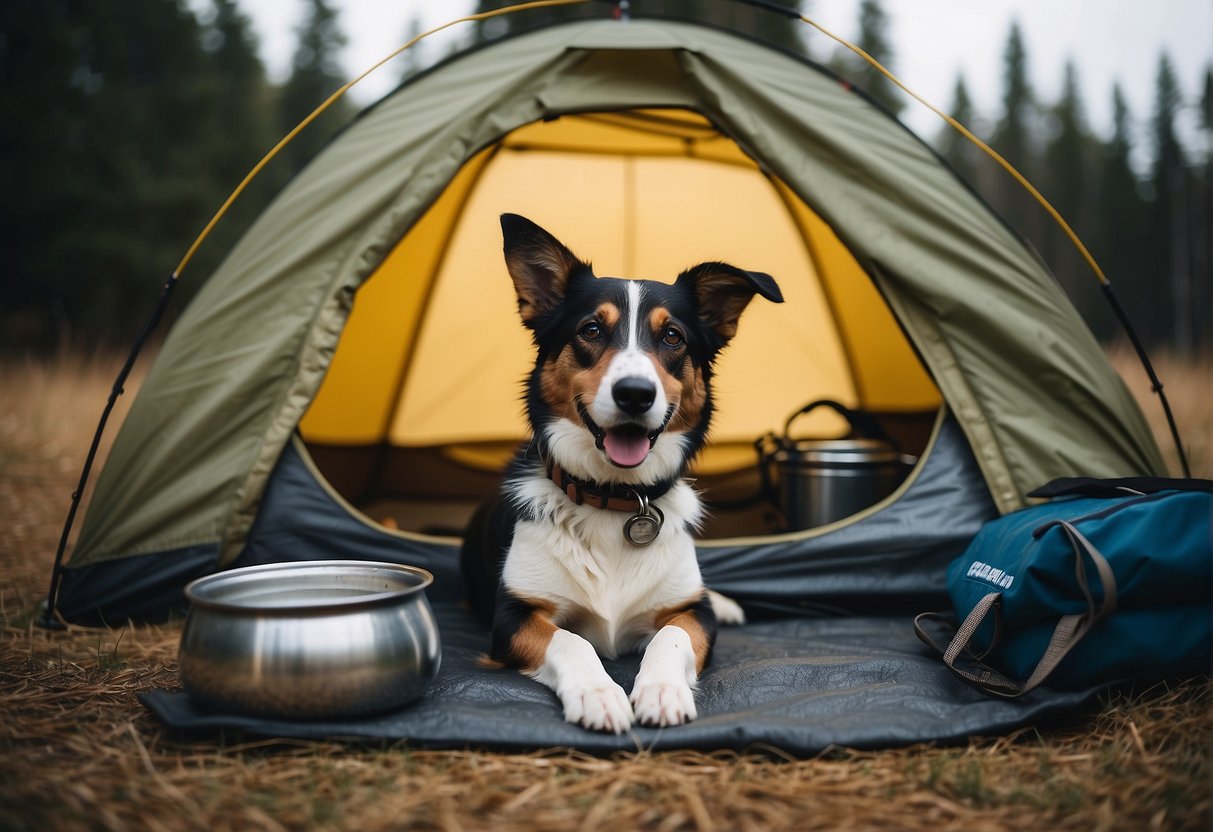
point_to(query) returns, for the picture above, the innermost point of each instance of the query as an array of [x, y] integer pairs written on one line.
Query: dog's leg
[[728, 611], [590, 697], [664, 689], [524, 636]]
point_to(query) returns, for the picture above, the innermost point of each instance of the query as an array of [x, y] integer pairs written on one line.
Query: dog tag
[[643, 527]]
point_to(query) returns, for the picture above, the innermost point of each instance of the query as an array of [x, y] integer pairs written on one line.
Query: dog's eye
[[591, 331], [672, 337]]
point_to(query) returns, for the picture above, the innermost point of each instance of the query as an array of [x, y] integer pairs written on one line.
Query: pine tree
[[1069, 161], [1202, 226], [1013, 132], [1206, 109], [874, 39], [1013, 138], [1066, 153], [231, 40], [315, 75], [959, 152], [40, 63], [106, 167], [1119, 240], [413, 59], [1170, 319], [242, 126]]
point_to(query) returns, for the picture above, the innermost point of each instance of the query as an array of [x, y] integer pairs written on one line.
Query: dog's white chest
[[604, 588]]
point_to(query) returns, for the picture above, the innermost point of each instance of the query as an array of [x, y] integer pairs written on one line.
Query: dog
[[587, 550]]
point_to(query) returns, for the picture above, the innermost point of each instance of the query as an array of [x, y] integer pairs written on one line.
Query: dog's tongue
[[627, 449]]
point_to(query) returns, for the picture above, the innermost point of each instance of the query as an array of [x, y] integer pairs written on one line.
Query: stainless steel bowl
[[309, 640]]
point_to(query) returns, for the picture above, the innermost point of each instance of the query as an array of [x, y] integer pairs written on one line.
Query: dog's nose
[[634, 395]]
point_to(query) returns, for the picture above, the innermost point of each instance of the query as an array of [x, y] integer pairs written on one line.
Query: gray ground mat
[[800, 685]]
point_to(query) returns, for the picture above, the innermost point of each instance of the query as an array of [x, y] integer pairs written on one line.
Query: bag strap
[[1069, 631]]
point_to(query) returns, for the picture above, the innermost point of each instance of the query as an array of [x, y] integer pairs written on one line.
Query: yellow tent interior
[[422, 403]]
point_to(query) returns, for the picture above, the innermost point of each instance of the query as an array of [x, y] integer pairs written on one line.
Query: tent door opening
[[421, 407]]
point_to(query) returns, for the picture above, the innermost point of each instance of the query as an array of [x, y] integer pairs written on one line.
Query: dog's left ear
[[539, 264], [722, 292]]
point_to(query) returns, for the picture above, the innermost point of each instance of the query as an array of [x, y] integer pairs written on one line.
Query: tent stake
[[48, 619]]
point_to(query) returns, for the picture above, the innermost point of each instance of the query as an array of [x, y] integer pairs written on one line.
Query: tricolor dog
[[587, 550]]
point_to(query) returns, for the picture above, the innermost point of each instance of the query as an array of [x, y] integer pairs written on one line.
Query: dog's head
[[621, 390]]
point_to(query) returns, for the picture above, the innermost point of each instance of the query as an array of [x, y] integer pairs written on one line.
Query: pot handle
[[766, 447], [861, 423]]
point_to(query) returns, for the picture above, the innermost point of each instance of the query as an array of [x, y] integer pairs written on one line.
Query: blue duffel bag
[[1111, 580]]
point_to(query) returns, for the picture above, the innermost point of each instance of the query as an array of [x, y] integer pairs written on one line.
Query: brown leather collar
[[611, 498]]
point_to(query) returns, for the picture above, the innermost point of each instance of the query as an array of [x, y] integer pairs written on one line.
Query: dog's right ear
[[539, 265]]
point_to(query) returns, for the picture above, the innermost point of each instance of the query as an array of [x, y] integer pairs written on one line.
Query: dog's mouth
[[626, 445]]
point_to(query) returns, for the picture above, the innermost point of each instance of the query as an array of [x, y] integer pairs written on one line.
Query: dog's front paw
[[658, 704], [600, 707]]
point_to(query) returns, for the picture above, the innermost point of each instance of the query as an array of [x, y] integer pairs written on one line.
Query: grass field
[[77, 751]]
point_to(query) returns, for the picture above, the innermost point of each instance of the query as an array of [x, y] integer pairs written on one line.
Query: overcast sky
[[1109, 40]]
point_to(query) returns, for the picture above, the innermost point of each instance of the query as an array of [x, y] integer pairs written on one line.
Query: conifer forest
[[126, 125]]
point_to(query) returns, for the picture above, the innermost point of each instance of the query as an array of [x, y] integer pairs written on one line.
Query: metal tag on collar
[[642, 528]]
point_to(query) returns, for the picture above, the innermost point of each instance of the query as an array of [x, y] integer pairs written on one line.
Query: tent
[[357, 357]]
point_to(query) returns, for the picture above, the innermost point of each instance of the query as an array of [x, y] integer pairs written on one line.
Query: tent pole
[[48, 619], [1155, 382]]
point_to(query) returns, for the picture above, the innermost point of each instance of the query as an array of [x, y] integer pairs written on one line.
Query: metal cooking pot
[[815, 482], [310, 639]]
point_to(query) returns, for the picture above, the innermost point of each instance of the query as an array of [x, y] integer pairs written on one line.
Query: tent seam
[[964, 403]]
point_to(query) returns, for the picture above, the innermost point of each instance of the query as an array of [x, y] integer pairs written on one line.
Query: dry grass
[[77, 751], [1188, 385]]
